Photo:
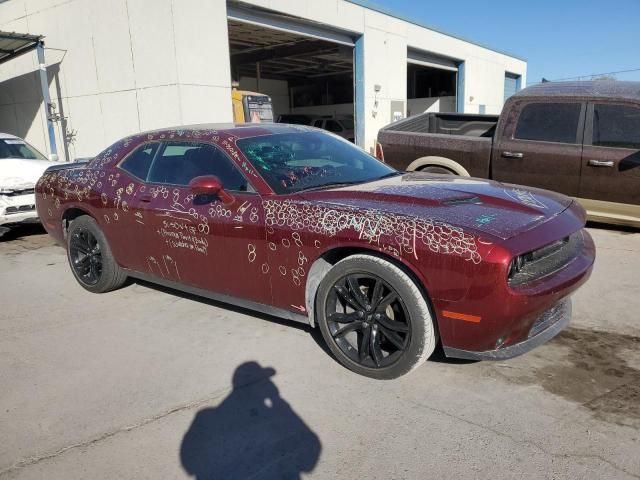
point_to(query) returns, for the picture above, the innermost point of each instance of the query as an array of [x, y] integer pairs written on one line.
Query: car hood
[[18, 173], [484, 206]]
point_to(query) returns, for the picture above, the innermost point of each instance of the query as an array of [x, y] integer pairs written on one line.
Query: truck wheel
[[437, 169], [90, 257], [374, 317]]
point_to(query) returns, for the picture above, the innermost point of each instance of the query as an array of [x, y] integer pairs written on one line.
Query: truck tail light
[[379, 152]]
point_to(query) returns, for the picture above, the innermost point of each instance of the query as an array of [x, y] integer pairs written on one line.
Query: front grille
[[546, 260], [20, 209], [17, 193], [548, 318]]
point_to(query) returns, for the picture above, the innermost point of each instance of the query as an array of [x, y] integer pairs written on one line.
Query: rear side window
[[180, 162], [318, 123], [138, 162], [549, 122], [616, 126]]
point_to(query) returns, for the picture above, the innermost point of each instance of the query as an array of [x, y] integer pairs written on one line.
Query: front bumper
[[546, 326], [16, 209]]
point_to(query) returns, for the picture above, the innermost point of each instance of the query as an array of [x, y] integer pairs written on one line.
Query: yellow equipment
[[251, 107]]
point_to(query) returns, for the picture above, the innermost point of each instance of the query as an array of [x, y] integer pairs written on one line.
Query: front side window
[[138, 162], [293, 162], [180, 162], [18, 148], [616, 126], [549, 122]]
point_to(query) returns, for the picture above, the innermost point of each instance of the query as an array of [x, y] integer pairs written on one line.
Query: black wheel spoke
[[351, 327], [386, 301], [83, 261], [356, 293], [346, 296], [393, 338], [365, 343], [345, 317], [376, 294], [376, 352], [389, 324]]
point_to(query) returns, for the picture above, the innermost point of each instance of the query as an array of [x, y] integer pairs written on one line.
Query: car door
[[198, 240], [611, 159], [122, 213], [541, 146]]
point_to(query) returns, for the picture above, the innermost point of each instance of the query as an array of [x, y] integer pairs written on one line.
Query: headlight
[[545, 260]]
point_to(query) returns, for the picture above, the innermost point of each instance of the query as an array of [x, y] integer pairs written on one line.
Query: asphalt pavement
[[149, 383]]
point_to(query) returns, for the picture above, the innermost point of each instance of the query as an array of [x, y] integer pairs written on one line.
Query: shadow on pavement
[[253, 433], [615, 228], [12, 233]]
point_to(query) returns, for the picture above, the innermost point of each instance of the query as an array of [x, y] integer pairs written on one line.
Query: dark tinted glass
[[180, 162], [298, 161], [139, 161], [333, 126], [616, 126], [549, 122], [18, 148]]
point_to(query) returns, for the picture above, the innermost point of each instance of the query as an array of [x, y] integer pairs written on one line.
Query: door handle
[[600, 163], [145, 198], [512, 154]]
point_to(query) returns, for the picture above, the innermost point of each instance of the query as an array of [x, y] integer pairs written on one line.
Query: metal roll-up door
[[427, 59]]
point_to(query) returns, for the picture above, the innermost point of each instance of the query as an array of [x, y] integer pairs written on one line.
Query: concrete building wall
[[416, 106], [122, 66], [115, 67]]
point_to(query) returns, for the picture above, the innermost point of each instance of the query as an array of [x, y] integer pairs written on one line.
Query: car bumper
[[547, 326], [18, 209]]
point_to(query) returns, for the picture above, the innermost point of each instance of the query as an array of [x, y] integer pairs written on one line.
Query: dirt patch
[[598, 370]]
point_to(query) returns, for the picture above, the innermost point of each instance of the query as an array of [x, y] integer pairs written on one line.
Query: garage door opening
[[432, 83], [310, 79]]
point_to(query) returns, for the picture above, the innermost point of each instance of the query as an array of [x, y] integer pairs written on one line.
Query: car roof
[[8, 135], [591, 89], [240, 130]]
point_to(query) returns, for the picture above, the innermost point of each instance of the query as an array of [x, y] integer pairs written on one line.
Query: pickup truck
[[578, 138]]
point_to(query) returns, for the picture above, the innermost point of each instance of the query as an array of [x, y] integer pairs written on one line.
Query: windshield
[[293, 162], [17, 148]]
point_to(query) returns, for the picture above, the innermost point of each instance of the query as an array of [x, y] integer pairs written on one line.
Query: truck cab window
[[549, 122], [616, 126]]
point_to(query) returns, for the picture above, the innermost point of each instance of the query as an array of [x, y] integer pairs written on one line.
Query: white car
[[21, 165], [341, 126]]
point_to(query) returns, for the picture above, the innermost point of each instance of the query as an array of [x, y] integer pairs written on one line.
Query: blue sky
[[559, 39]]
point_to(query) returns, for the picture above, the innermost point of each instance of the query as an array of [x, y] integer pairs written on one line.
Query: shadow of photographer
[[252, 433]]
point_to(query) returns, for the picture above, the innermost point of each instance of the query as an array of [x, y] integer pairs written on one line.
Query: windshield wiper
[[330, 185], [390, 174]]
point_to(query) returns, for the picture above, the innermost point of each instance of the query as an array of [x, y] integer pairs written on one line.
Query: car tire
[[90, 257], [411, 311]]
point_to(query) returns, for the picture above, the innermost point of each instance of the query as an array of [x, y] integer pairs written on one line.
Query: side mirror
[[210, 185]]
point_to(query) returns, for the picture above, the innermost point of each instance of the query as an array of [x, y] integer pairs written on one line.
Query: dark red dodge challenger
[[299, 223]]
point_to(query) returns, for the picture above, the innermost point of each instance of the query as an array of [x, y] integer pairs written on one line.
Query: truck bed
[[464, 138]]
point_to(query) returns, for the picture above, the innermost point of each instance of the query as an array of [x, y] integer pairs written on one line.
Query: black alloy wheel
[[85, 256], [368, 320]]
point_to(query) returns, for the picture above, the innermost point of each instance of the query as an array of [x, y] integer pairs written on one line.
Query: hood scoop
[[473, 200]]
